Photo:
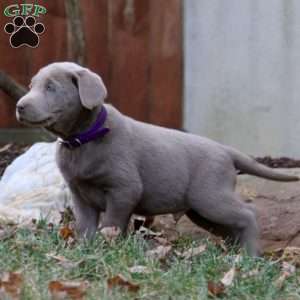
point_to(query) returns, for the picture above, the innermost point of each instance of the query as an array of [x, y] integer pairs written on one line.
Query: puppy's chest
[[75, 167], [85, 177]]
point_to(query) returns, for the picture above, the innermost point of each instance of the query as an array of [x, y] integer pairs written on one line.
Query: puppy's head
[[58, 94]]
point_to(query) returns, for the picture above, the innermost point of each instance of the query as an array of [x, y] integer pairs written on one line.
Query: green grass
[[175, 278]]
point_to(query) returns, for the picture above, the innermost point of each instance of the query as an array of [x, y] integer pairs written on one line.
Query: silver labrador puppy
[[137, 167]]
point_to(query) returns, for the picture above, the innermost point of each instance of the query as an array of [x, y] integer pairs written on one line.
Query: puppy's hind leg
[[224, 208], [219, 230]]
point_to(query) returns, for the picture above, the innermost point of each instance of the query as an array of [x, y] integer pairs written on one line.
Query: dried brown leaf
[[66, 232], [286, 271], [64, 262], [11, 284], [120, 281], [110, 233], [193, 252], [162, 241], [228, 277], [292, 255], [215, 289], [75, 290], [159, 252]]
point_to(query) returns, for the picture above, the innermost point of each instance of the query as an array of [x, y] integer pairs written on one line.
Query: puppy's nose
[[20, 107]]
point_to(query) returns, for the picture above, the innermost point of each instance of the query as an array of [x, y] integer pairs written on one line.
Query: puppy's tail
[[250, 166]]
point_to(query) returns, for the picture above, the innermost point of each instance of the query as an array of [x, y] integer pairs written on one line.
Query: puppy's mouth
[[41, 123]]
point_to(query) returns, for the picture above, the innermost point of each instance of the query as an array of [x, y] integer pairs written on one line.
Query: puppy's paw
[[110, 233]]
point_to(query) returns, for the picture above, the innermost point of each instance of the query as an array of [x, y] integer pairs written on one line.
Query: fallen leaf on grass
[[286, 271], [215, 289], [75, 290], [159, 252], [219, 288], [162, 241], [11, 284], [228, 277], [251, 273], [139, 270], [292, 255], [64, 262], [120, 281], [110, 233], [66, 232], [192, 252]]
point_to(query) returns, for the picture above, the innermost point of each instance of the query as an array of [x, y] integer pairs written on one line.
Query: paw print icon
[[24, 31]]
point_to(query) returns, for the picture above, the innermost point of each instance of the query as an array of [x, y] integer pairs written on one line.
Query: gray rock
[[32, 186]]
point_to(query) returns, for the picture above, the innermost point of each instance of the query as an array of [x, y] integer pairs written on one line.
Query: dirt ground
[[278, 204]]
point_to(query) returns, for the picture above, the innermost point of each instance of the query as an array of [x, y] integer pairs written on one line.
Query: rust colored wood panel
[[53, 42], [95, 19], [165, 82], [135, 45], [12, 62], [129, 59], [22, 63]]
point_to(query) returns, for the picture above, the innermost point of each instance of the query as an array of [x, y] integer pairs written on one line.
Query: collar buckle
[[65, 143]]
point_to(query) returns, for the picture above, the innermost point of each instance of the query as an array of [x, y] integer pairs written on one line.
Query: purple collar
[[96, 131]]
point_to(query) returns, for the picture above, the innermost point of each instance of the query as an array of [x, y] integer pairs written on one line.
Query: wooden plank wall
[[135, 45]]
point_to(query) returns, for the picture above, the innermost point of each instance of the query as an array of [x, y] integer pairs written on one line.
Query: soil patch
[[281, 162]]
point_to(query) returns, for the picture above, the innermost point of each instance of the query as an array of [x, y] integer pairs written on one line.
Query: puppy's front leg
[[120, 205], [87, 217]]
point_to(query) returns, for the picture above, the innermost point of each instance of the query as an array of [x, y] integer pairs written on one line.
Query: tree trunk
[[11, 87], [76, 39]]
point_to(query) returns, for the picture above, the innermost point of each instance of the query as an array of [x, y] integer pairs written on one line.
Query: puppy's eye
[[50, 87], [74, 81]]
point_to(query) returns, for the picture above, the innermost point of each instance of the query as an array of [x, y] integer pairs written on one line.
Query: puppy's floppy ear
[[92, 90]]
